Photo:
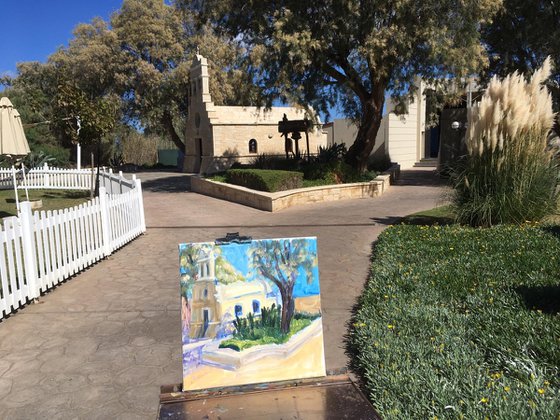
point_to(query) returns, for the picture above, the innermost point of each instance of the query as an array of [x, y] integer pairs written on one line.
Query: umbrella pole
[[15, 186]]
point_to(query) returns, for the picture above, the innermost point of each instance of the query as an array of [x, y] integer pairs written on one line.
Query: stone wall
[[218, 136], [283, 199]]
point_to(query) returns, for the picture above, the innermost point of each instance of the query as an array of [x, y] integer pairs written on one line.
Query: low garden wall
[[284, 199]]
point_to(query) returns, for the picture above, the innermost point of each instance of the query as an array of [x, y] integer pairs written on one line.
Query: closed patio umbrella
[[12, 137], [13, 142]]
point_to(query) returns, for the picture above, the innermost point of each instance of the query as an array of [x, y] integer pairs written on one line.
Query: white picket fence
[[49, 178], [38, 250]]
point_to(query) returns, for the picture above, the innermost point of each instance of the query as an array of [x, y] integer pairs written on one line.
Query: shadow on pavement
[[387, 220], [171, 184]]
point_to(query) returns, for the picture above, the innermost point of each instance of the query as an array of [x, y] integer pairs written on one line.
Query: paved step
[[427, 163]]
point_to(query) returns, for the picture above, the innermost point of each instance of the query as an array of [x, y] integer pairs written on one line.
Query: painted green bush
[[460, 322], [265, 328]]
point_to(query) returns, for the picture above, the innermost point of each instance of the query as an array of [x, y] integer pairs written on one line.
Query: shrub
[[508, 175], [60, 155], [37, 160], [335, 172], [457, 322], [265, 161], [265, 179], [139, 149], [334, 152]]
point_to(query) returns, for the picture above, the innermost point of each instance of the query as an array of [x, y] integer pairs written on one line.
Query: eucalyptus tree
[[158, 42], [350, 53]]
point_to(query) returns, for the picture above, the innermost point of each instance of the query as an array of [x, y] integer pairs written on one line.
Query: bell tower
[[200, 85]]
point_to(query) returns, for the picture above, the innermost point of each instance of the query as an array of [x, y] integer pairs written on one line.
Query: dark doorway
[[206, 321], [431, 142], [198, 158]]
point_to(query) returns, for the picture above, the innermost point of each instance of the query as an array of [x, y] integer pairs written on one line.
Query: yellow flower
[[484, 400], [540, 391], [390, 326], [507, 388]]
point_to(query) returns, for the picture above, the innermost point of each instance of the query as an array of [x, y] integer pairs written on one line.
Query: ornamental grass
[[508, 175]]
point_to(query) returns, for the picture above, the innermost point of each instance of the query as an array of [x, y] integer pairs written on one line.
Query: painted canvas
[[251, 312]]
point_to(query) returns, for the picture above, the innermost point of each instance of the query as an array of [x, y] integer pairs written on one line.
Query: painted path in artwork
[[283, 369], [100, 345]]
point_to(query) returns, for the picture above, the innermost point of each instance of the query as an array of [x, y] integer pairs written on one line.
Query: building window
[[205, 294], [256, 307], [238, 310], [252, 146]]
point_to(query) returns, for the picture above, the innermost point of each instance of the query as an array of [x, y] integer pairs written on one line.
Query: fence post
[[46, 175], [120, 182], [105, 222], [29, 249], [140, 204], [111, 179]]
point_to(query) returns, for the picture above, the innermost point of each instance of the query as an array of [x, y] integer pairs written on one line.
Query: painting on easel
[[251, 312]]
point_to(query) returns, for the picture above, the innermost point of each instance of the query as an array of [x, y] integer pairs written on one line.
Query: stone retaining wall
[[283, 199]]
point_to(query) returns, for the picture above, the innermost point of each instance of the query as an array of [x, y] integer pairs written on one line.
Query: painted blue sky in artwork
[[237, 256]]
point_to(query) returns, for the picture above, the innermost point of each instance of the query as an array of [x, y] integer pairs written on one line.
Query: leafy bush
[[37, 160], [58, 156], [264, 161], [508, 175], [333, 153], [458, 322], [335, 172], [265, 179]]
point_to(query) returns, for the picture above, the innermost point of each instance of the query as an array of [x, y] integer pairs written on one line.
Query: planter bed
[[284, 199]]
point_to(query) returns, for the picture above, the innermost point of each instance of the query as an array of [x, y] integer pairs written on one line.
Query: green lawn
[[52, 200], [458, 322], [442, 215]]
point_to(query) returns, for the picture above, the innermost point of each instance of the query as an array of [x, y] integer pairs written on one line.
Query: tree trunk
[[167, 122], [358, 153], [288, 308]]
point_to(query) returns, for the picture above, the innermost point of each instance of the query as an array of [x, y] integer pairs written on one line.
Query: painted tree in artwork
[[282, 262]]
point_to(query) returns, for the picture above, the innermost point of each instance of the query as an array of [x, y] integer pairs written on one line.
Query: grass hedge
[[265, 179], [459, 322]]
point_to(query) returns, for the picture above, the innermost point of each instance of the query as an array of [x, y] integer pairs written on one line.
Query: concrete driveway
[[100, 345]]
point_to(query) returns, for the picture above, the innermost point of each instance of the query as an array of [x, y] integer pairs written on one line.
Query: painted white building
[[218, 136], [216, 305]]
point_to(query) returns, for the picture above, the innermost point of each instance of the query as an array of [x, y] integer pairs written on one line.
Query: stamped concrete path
[[100, 345]]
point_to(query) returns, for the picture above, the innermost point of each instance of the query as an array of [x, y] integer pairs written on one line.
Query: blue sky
[[34, 29], [236, 255]]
